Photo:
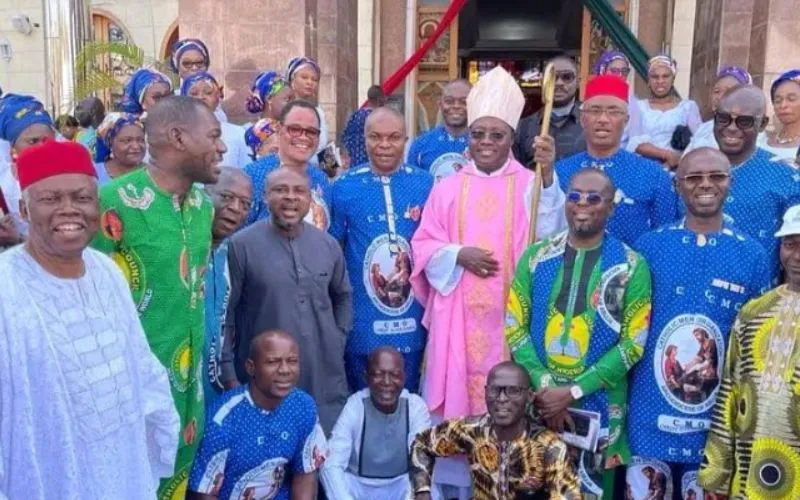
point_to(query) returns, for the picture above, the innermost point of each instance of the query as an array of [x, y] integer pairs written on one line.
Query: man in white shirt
[[368, 451], [85, 408]]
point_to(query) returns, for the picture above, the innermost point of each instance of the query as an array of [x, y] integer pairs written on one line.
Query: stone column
[[66, 29], [775, 39], [246, 37], [722, 37], [337, 50]]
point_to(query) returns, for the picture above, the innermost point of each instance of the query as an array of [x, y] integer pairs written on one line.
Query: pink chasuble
[[465, 327]]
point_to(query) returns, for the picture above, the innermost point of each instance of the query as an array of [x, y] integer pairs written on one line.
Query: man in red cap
[[644, 199], [85, 407]]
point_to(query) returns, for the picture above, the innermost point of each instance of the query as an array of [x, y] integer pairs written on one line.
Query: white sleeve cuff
[[442, 271]]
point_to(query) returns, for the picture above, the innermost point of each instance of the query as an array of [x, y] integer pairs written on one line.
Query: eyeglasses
[[590, 198], [511, 391], [596, 112], [227, 198], [566, 76], [296, 131], [743, 122], [619, 71], [479, 135], [697, 179]]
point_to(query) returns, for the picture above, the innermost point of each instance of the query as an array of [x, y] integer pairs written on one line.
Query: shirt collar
[[496, 173]]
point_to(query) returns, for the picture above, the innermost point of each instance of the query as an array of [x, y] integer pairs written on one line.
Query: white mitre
[[496, 94]]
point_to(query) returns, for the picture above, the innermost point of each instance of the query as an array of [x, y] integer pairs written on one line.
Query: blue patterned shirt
[[438, 152], [353, 137], [318, 215], [378, 254], [217, 293], [762, 188], [248, 452], [699, 284], [645, 198]]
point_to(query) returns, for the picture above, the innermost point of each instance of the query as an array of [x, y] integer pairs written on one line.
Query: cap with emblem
[[791, 223]]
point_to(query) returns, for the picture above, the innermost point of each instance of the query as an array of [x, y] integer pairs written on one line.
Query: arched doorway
[[107, 29], [173, 35]]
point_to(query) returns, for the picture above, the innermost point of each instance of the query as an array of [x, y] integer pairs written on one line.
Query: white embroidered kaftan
[[85, 408]]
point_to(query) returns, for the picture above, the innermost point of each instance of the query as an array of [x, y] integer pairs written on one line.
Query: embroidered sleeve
[[717, 469], [518, 320], [614, 365], [447, 439], [561, 480], [111, 226]]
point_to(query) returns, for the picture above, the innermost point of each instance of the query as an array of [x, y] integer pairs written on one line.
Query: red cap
[[53, 158], [608, 85]]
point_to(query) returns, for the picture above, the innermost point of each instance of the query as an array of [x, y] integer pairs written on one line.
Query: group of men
[[236, 358]]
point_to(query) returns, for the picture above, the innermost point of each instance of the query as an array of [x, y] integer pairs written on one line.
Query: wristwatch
[[576, 391]]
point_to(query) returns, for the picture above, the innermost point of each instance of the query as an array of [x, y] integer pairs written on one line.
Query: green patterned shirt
[[163, 247]]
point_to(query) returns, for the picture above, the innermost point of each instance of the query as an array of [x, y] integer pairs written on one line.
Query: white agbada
[[345, 444], [85, 407]]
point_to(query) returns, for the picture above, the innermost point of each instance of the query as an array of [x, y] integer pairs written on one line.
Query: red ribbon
[[396, 78]]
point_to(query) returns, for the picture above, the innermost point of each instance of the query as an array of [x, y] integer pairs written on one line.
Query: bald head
[[740, 117], [228, 176], [265, 343], [381, 354], [171, 112], [510, 369], [461, 86], [744, 100], [281, 175], [386, 113], [90, 112], [703, 156], [606, 186]]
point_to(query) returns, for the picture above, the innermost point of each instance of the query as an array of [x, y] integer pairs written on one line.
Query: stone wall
[[245, 39], [650, 32], [337, 49], [25, 72], [761, 35], [705, 50], [148, 22]]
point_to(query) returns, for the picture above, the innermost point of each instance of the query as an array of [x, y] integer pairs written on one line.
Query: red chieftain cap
[[608, 85], [53, 158]]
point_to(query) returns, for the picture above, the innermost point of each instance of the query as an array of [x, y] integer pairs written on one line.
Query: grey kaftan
[[297, 285]]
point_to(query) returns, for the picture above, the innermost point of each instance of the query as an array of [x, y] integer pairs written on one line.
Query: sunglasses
[[479, 135], [296, 131], [590, 198], [696, 179], [743, 122], [566, 76]]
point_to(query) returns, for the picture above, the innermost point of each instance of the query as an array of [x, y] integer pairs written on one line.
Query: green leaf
[[94, 74]]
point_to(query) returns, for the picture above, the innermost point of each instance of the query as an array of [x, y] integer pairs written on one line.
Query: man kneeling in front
[[510, 455], [263, 439], [371, 439]]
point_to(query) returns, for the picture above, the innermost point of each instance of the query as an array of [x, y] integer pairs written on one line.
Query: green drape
[[614, 26]]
